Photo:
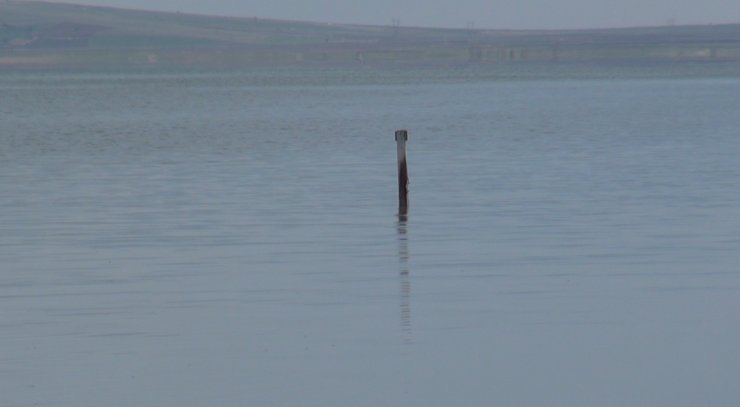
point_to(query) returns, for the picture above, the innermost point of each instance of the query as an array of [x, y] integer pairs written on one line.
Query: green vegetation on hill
[[74, 36]]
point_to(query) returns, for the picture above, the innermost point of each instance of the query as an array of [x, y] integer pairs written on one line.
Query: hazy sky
[[461, 13]]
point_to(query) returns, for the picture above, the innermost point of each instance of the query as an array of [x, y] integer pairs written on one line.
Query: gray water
[[233, 240]]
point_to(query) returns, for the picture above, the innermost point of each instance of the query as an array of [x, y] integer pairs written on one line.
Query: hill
[[73, 36]]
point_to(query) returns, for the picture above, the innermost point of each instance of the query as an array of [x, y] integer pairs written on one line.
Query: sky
[[493, 14]]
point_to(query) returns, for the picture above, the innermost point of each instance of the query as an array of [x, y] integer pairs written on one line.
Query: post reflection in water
[[404, 275]]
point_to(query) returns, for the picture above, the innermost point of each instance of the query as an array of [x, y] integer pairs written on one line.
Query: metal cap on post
[[402, 137], [402, 134]]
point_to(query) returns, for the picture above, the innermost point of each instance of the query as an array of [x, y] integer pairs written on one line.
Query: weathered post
[[403, 174]]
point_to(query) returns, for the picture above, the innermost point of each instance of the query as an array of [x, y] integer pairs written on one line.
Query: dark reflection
[[404, 275]]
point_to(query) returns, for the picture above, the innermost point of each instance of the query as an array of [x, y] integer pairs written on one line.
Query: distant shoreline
[[67, 36]]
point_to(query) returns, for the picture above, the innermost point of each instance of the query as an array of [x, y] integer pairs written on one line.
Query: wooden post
[[403, 174]]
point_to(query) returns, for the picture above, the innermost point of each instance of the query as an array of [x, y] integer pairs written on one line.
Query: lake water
[[232, 239]]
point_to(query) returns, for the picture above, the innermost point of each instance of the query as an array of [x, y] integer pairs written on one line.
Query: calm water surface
[[232, 240]]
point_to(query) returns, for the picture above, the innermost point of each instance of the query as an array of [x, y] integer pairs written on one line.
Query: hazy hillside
[[49, 34], [61, 25]]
